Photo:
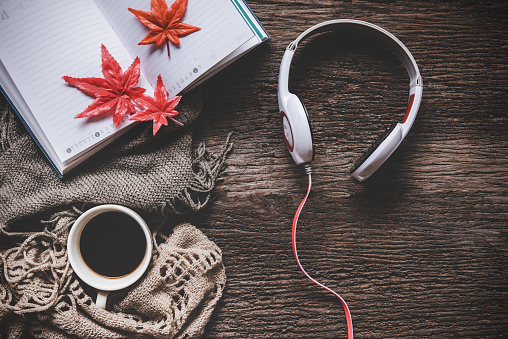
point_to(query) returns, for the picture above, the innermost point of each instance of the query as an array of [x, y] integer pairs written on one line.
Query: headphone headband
[[372, 30]]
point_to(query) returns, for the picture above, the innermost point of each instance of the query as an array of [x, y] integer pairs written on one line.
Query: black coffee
[[112, 244]]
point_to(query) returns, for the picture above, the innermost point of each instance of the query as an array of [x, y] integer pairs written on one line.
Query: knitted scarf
[[155, 175]]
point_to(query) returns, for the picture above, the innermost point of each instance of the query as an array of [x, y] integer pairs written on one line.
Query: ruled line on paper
[[51, 39], [222, 31]]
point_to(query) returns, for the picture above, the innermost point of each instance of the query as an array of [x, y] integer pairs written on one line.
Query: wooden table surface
[[420, 249]]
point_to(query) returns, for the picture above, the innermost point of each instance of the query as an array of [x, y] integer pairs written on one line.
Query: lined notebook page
[[41, 41], [222, 31]]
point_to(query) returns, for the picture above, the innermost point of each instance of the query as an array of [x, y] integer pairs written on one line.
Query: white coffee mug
[[103, 284]]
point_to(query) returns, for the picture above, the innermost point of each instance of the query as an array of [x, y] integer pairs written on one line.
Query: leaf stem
[[167, 45], [176, 122]]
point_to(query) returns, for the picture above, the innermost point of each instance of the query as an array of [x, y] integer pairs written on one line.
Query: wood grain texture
[[420, 249]]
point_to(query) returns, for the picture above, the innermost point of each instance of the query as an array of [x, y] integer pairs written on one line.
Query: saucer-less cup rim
[[99, 282]]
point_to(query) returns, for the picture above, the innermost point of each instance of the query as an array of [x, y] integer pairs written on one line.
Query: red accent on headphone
[[409, 106], [289, 145]]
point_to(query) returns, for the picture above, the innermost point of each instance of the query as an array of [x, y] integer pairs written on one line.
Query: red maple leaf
[[114, 93], [164, 24], [158, 108]]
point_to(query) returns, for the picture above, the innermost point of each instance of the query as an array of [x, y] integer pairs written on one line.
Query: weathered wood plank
[[419, 250]]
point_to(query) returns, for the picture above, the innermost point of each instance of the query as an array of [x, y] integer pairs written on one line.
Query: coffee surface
[[112, 244]]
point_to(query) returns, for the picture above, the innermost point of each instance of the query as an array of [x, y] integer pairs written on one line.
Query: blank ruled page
[[41, 41], [222, 31]]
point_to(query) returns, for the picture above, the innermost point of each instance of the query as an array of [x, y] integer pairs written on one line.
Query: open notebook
[[43, 40]]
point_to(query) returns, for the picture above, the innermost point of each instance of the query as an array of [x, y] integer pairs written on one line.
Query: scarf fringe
[[207, 168]]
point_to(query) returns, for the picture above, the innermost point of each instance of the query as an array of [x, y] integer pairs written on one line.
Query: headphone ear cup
[[368, 152], [297, 130]]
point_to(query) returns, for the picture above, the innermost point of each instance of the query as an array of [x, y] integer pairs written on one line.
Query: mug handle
[[102, 296]]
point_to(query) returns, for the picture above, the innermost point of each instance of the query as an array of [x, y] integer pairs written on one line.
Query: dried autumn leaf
[[165, 24], [158, 108], [114, 93]]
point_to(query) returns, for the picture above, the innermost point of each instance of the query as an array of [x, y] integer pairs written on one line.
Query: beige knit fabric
[[174, 299], [154, 173], [157, 177]]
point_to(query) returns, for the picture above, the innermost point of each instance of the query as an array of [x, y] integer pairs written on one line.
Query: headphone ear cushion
[[368, 152]]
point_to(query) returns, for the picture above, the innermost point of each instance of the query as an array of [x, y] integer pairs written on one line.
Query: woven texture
[[174, 299], [152, 173], [156, 176]]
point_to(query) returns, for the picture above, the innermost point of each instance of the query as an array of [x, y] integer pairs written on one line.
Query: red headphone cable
[[349, 321]]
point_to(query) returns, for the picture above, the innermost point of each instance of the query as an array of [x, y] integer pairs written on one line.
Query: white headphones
[[294, 118]]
